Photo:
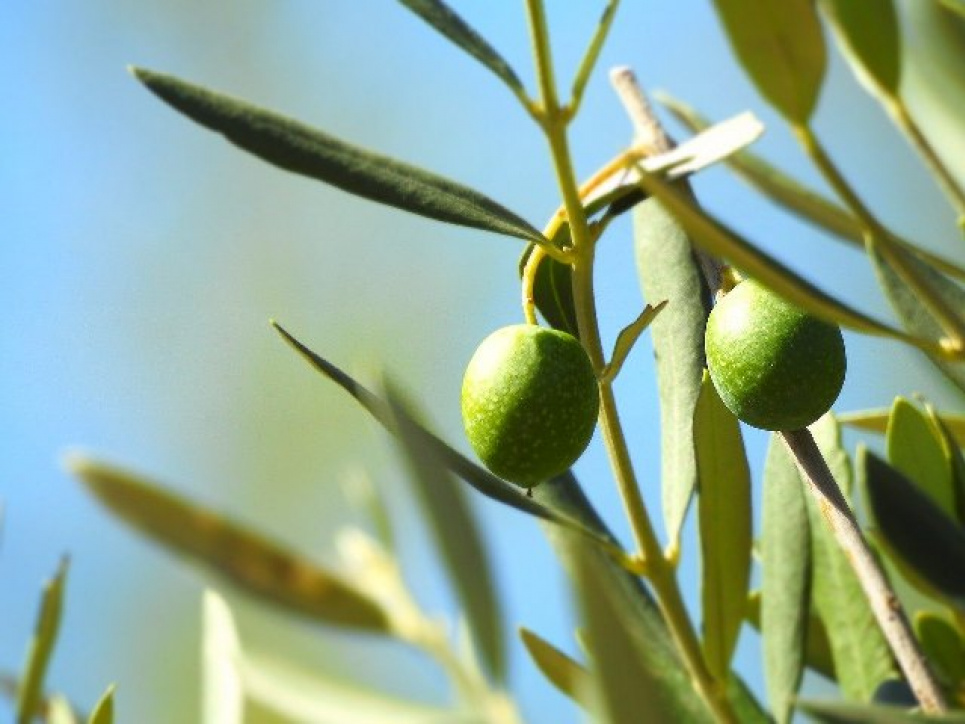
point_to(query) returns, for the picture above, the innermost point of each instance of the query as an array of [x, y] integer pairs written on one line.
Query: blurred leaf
[[817, 648], [834, 712], [870, 39], [627, 687], [301, 149], [553, 292], [797, 198], [862, 658], [30, 691], [711, 235], [59, 711], [781, 48], [954, 450], [103, 712], [877, 421], [222, 690], [448, 23], [301, 696], [482, 480], [567, 675], [724, 507], [628, 337], [913, 313], [942, 644], [914, 528], [956, 6], [785, 582], [457, 536], [251, 562], [917, 450], [668, 271]]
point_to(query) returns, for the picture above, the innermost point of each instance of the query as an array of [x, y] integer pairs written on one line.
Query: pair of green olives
[[530, 398]]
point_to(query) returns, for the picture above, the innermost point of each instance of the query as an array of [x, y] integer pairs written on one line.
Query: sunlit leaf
[[877, 421], [817, 648], [954, 450], [913, 313], [724, 508], [862, 658], [798, 198], [222, 690], [786, 578], [457, 536], [441, 17], [563, 672], [915, 528], [835, 712], [668, 271], [781, 47], [103, 711], [59, 711], [917, 450], [942, 644], [246, 559], [30, 691], [304, 150], [626, 686], [716, 238], [480, 479], [628, 337], [868, 34]]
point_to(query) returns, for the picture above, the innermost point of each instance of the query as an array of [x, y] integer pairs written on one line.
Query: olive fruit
[[529, 402], [774, 365]]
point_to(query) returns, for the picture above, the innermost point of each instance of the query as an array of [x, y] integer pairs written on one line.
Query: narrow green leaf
[[781, 48], [628, 337], [566, 674], [668, 271], [553, 292], [59, 711], [30, 692], [795, 197], [251, 562], [441, 17], [724, 508], [913, 313], [868, 35], [877, 421], [956, 6], [716, 238], [458, 540], [917, 450], [954, 450], [222, 689], [817, 648], [915, 529], [862, 658], [943, 645], [626, 685], [786, 579], [103, 712], [480, 479], [835, 712], [301, 149]]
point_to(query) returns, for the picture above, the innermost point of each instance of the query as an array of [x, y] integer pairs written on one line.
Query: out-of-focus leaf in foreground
[[246, 559], [563, 672], [304, 150]]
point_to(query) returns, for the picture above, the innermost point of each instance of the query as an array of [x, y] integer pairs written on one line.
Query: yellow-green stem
[[659, 570]]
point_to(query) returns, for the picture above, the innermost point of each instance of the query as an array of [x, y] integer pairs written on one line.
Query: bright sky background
[[141, 257]]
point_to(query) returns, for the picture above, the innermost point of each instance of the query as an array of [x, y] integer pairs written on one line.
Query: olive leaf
[[915, 447], [877, 421], [786, 578], [817, 648], [628, 337], [30, 690], [862, 658], [249, 561], [781, 48], [868, 34], [304, 150], [103, 711], [668, 271], [222, 688], [914, 528], [724, 516], [943, 645], [566, 674], [445, 20], [454, 527], [834, 712]]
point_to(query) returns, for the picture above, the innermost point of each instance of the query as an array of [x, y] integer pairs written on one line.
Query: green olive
[[774, 365], [529, 403]]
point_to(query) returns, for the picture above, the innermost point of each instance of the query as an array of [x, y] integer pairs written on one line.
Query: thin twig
[[884, 603]]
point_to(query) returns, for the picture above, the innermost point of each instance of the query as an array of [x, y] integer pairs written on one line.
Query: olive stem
[[884, 603]]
